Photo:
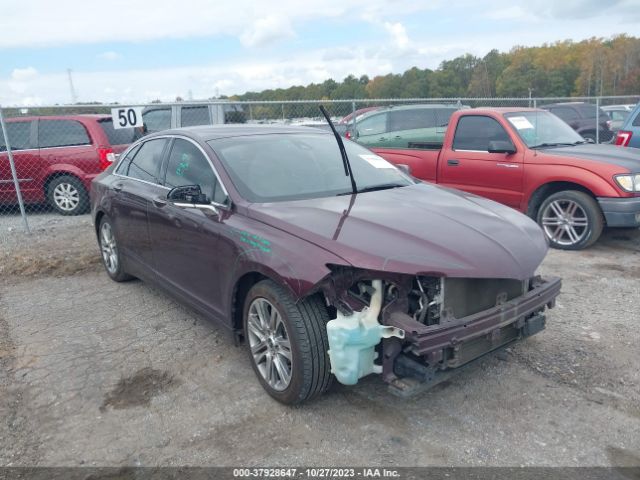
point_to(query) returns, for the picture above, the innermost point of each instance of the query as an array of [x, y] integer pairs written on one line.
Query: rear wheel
[[110, 253], [571, 220], [67, 195], [287, 342]]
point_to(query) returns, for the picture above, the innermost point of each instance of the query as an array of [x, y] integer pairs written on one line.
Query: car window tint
[[61, 133], [118, 136], [123, 166], [19, 134], [145, 163], [443, 115], [474, 132], [195, 116], [411, 119], [374, 125], [636, 121], [157, 119], [188, 166], [565, 113]]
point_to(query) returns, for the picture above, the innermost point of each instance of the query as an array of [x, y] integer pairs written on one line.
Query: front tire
[[571, 220], [287, 342], [111, 258], [67, 195]]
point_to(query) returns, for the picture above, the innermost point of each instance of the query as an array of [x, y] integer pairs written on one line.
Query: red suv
[[56, 158]]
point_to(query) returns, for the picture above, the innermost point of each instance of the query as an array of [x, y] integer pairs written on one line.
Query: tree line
[[587, 68]]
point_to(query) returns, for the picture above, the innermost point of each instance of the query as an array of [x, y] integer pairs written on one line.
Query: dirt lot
[[98, 373]]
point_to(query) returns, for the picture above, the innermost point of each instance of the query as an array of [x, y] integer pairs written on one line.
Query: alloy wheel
[[269, 343], [565, 222], [66, 196], [109, 248]]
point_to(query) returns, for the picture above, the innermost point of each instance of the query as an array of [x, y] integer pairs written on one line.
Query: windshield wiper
[[384, 186], [557, 144], [343, 151]]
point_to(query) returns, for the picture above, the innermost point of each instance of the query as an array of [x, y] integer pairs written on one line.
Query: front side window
[[192, 116], [146, 162], [474, 132], [61, 133], [19, 136], [188, 166], [157, 119], [374, 125], [272, 168]]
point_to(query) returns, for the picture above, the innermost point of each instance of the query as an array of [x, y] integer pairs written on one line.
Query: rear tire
[[571, 220], [110, 253], [287, 342], [67, 195]]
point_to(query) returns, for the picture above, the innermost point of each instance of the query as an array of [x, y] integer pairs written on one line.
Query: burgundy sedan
[[258, 228]]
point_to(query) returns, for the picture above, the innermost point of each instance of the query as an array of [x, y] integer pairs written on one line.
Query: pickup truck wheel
[[571, 220], [67, 195], [287, 342]]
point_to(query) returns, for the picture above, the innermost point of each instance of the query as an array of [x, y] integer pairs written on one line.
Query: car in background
[[163, 117], [56, 157], [404, 126], [629, 133], [581, 116], [618, 114], [347, 120], [258, 228]]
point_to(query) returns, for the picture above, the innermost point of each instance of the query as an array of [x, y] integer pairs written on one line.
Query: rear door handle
[[453, 163]]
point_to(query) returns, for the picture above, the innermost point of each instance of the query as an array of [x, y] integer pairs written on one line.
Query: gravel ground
[[98, 373]]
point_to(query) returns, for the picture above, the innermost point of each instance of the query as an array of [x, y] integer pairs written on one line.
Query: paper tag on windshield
[[376, 161], [521, 123]]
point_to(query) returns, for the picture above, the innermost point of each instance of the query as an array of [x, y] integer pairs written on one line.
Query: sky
[[127, 52]]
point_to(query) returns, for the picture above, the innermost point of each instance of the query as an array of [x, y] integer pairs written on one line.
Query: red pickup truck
[[532, 161]]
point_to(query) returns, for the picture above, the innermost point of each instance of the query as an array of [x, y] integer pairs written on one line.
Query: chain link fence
[[49, 155]]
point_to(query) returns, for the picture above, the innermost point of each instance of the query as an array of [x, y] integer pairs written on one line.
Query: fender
[[67, 169]]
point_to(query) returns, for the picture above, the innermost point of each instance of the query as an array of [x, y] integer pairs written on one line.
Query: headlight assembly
[[629, 183]]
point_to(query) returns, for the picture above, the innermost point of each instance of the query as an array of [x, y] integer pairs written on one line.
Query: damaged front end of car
[[415, 330]]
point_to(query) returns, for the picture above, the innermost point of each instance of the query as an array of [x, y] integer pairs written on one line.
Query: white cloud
[[23, 74], [110, 56], [398, 34], [267, 30]]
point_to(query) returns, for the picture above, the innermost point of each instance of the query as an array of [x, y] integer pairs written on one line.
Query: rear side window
[[61, 133], [157, 119], [123, 166], [565, 113], [474, 132], [192, 116], [443, 115], [411, 119], [19, 136], [636, 121], [146, 161], [374, 125], [117, 136]]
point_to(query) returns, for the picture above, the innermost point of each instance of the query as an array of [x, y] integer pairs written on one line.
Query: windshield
[[279, 167], [541, 129]]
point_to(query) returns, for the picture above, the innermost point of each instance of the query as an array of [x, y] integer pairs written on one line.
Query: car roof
[[485, 110], [214, 132]]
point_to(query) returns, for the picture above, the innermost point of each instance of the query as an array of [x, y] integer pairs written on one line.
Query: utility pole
[[74, 96]]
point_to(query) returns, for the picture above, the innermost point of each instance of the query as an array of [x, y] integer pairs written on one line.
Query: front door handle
[[159, 202], [453, 163]]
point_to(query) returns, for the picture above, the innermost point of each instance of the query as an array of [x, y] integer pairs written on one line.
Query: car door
[[185, 240], [26, 160], [135, 188], [468, 165], [371, 131]]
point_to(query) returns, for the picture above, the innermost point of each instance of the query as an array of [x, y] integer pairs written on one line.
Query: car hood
[[419, 229], [628, 158]]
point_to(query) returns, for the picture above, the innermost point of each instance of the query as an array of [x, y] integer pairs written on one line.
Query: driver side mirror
[[406, 169], [501, 146], [188, 194]]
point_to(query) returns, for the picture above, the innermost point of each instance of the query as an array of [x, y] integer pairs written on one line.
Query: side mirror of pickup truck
[[501, 146], [406, 169]]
